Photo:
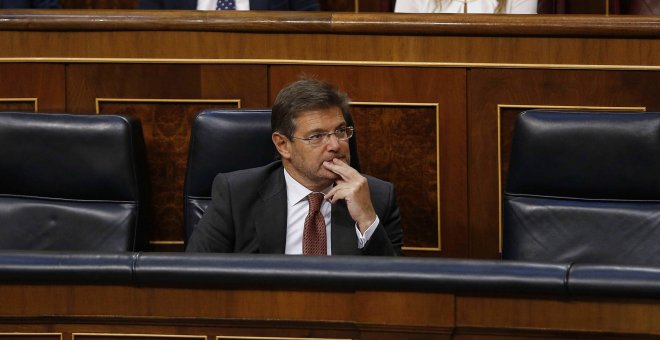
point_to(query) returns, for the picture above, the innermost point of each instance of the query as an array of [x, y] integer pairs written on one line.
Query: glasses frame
[[350, 131]]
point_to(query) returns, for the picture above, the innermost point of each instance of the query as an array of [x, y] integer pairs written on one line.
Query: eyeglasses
[[342, 133]]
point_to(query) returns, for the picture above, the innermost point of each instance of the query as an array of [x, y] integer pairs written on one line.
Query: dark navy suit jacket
[[29, 4], [248, 214], [255, 5]]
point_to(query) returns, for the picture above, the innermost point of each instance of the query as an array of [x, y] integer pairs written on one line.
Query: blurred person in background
[[29, 4], [241, 5], [467, 6]]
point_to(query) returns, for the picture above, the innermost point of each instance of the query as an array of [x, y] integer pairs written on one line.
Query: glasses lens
[[345, 133], [317, 139]]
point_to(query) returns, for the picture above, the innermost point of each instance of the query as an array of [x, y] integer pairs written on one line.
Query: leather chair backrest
[[583, 186], [72, 182], [225, 140]]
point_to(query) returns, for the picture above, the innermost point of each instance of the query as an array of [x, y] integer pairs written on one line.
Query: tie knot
[[315, 199]]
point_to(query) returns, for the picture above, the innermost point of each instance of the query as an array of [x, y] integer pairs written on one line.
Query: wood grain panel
[[531, 88], [331, 47], [548, 314], [166, 127], [408, 334], [165, 98], [414, 129], [45, 82], [30, 336], [393, 86], [86, 82], [111, 300], [247, 82], [145, 328], [406, 308]]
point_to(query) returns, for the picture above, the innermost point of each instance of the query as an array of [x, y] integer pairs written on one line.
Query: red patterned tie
[[314, 239]]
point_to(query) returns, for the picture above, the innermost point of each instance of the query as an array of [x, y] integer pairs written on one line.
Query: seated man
[[254, 5], [311, 202], [29, 4]]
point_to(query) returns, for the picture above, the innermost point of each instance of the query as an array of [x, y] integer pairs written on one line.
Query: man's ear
[[282, 145]]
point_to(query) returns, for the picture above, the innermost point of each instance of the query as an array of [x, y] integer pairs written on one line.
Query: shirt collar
[[296, 192]]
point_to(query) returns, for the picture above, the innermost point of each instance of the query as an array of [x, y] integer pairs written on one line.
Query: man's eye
[[316, 136]]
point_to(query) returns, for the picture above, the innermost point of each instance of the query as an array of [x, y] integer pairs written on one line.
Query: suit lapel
[[270, 223], [344, 239]]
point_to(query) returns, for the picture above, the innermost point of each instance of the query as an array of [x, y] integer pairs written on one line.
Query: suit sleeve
[[304, 5], [215, 230], [152, 4], [387, 239], [46, 4]]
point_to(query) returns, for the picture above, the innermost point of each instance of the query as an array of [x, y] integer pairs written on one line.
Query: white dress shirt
[[458, 6], [209, 5], [297, 210]]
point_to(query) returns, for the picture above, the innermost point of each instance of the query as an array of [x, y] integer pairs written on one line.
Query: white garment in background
[[209, 5], [457, 6]]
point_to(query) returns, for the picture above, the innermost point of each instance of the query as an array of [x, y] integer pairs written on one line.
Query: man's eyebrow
[[319, 130], [315, 131]]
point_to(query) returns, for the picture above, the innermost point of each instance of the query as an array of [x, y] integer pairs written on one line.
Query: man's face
[[304, 161]]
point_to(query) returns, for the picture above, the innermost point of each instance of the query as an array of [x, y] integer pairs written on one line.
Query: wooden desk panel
[[31, 87], [126, 312]]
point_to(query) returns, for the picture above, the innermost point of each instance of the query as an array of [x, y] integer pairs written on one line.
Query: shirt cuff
[[363, 239]]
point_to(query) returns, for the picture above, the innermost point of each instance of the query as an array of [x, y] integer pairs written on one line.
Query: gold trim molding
[[531, 107], [2, 335], [227, 337], [35, 101], [145, 336], [437, 155], [99, 101]]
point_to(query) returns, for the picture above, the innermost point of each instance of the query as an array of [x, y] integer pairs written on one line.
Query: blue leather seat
[[225, 140], [584, 186], [72, 182]]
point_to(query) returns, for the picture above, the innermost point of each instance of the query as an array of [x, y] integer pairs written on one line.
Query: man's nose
[[333, 142]]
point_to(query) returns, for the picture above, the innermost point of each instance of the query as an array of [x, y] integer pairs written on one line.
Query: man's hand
[[352, 187]]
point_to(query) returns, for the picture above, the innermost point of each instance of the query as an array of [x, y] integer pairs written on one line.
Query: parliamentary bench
[[132, 295]]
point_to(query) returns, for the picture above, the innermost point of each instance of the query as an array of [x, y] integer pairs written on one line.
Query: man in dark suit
[[255, 5], [29, 4], [262, 210]]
